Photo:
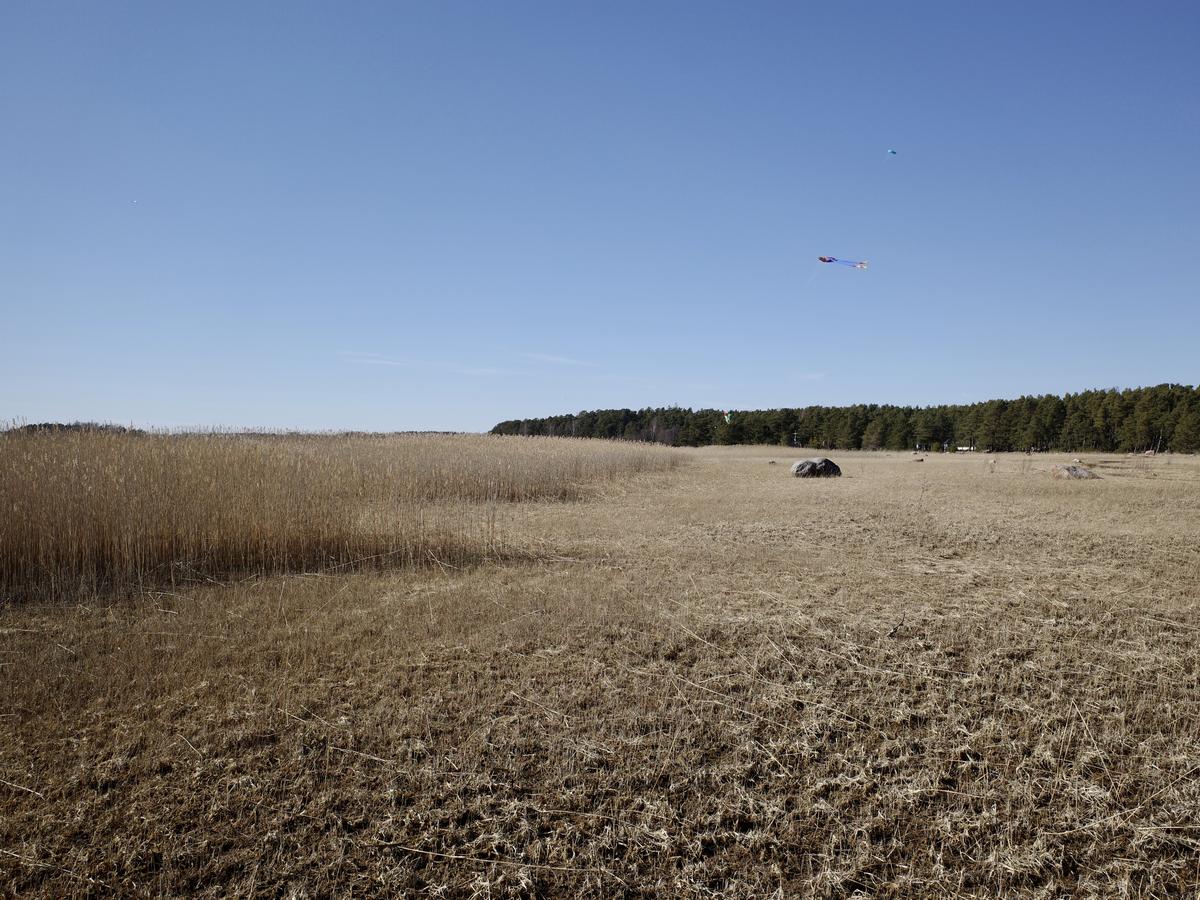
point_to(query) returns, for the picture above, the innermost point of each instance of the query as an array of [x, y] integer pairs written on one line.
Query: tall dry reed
[[90, 511]]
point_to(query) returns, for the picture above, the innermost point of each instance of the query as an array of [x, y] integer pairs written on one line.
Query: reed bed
[[93, 511]]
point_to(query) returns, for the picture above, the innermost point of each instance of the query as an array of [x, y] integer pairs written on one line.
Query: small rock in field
[[815, 468]]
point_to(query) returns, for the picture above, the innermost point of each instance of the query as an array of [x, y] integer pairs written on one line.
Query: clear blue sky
[[442, 215]]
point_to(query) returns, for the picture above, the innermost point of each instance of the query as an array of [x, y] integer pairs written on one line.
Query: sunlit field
[[593, 669], [94, 511]]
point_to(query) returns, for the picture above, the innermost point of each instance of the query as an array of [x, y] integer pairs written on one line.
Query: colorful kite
[[727, 416], [843, 262]]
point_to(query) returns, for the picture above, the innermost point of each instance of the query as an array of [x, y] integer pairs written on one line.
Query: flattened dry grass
[[89, 512], [947, 679]]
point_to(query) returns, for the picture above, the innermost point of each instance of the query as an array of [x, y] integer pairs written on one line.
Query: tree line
[[1160, 418]]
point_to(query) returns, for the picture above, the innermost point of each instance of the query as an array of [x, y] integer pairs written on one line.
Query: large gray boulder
[[815, 468]]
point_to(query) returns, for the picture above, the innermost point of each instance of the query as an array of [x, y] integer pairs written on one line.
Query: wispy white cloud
[[451, 368], [379, 361], [361, 358], [556, 360], [473, 370]]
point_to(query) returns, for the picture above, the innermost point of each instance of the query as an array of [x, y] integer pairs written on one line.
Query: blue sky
[[442, 215]]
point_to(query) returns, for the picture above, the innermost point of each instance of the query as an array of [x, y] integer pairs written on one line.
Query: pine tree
[[1186, 437]]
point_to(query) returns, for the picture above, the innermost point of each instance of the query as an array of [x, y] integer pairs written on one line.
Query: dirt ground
[[955, 677]]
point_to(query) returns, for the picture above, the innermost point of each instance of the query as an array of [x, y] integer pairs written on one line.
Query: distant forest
[[1166, 417]]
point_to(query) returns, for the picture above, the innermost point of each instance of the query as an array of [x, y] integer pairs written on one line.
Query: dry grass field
[[95, 511], [947, 679]]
